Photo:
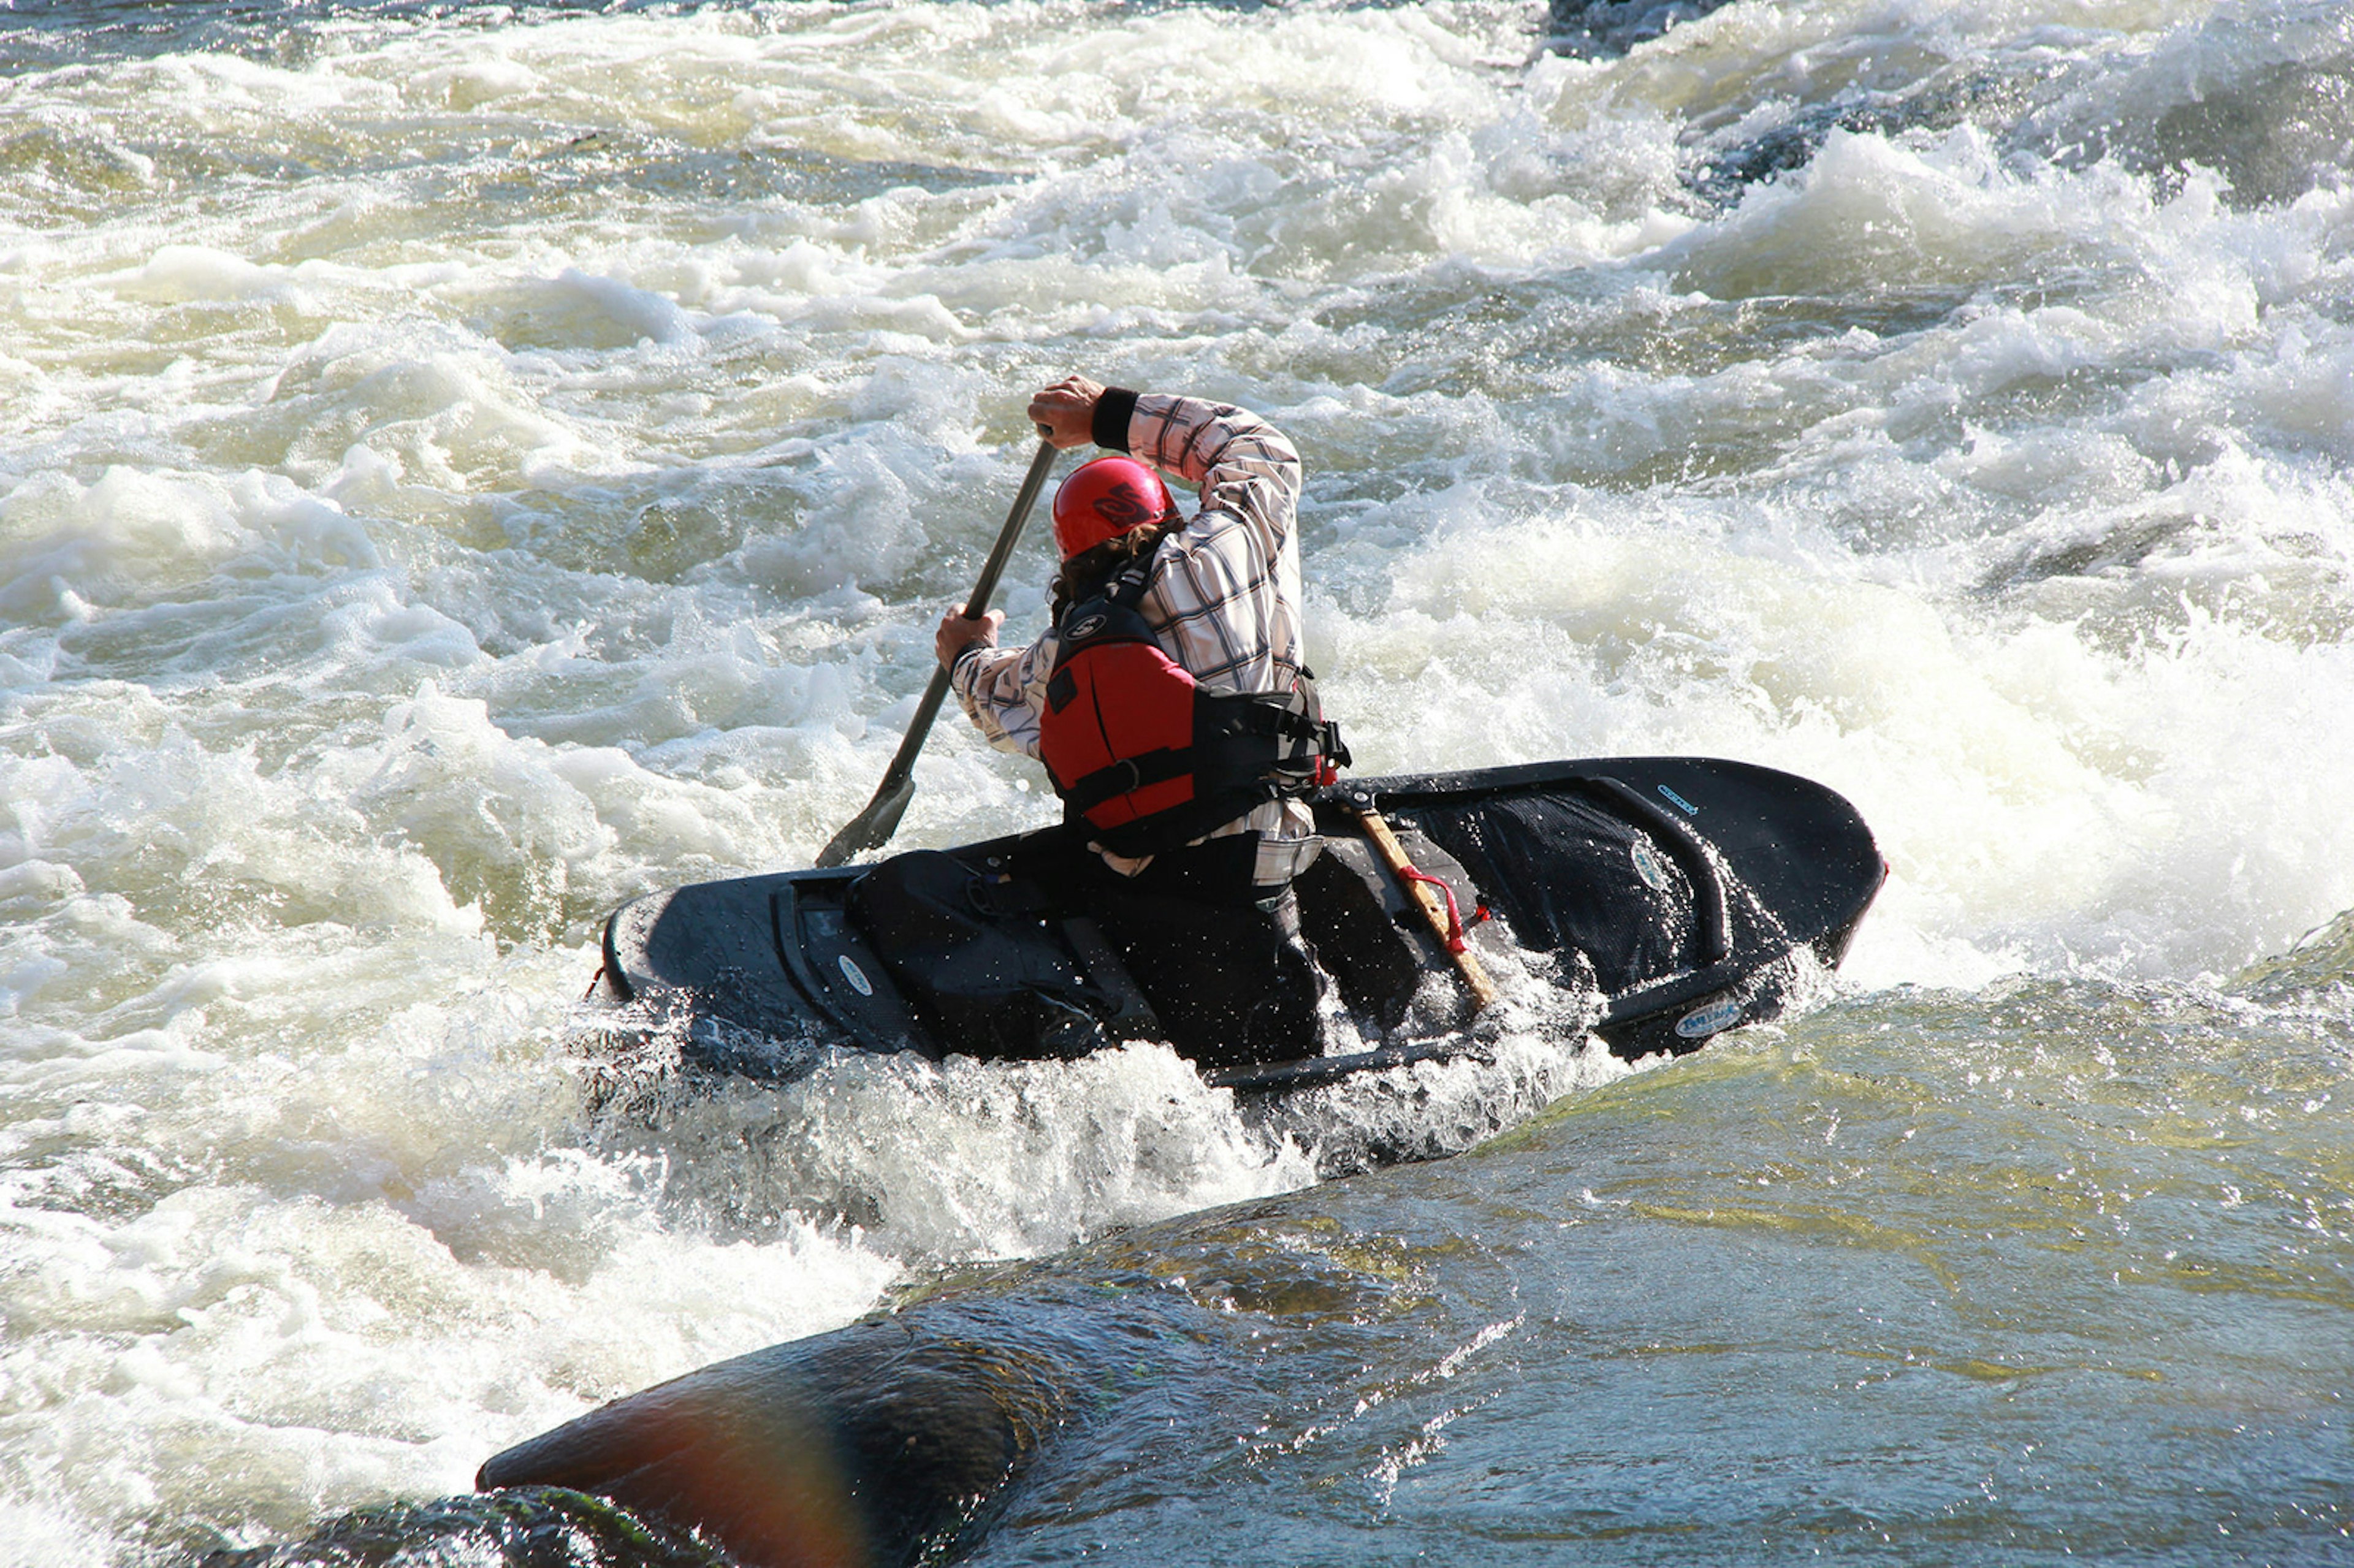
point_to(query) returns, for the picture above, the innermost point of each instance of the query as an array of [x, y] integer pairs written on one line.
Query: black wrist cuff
[[1114, 409]]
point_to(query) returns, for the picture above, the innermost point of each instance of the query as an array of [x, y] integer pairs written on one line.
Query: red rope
[[1454, 920]]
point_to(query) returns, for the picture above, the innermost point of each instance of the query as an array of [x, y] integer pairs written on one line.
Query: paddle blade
[[872, 826]]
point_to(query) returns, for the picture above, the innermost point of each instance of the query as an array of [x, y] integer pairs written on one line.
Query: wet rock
[[891, 1441]]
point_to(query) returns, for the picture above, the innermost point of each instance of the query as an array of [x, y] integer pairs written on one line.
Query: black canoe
[[1671, 898]]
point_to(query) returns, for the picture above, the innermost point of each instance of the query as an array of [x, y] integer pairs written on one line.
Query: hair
[[1080, 573]]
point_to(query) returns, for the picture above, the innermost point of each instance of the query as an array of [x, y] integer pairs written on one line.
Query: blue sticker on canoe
[[1703, 1022], [1646, 866], [1689, 809], [856, 976]]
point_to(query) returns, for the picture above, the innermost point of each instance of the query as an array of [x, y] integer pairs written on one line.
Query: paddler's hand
[[956, 634], [1065, 413]]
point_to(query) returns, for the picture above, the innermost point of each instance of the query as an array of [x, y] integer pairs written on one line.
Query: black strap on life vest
[[1241, 749]]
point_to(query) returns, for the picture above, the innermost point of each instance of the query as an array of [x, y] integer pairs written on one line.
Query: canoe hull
[[1676, 897]]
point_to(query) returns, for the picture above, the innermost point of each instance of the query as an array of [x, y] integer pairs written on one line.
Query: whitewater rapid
[[467, 467]]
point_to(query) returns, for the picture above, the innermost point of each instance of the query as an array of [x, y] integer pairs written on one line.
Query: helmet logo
[[1127, 506]]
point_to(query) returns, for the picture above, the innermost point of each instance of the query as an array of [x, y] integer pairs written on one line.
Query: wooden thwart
[[1432, 904]]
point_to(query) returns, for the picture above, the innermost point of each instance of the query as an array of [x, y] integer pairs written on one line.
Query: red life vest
[[1146, 760]]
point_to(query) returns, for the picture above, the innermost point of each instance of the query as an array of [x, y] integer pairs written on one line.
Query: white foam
[[967, 1160], [384, 1269]]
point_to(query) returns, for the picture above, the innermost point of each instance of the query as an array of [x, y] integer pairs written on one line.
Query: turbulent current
[[464, 466]]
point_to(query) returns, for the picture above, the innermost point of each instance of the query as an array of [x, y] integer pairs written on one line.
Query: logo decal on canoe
[[865, 987], [1689, 809], [1646, 866], [1703, 1022]]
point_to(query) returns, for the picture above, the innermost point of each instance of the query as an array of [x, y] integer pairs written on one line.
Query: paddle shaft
[[876, 824], [1427, 900]]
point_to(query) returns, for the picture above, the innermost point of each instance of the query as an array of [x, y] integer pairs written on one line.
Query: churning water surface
[[465, 466]]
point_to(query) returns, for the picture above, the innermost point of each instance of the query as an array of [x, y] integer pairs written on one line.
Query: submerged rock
[[524, 1527], [1593, 29], [2321, 961], [2274, 136], [1726, 161]]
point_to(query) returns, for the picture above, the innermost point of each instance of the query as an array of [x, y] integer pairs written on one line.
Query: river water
[[461, 467]]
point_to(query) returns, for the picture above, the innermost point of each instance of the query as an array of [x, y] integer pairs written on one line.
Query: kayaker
[[1185, 812]]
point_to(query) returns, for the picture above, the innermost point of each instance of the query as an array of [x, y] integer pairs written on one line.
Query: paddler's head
[[1105, 499]]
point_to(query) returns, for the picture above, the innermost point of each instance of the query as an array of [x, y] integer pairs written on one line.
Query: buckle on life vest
[[1333, 752]]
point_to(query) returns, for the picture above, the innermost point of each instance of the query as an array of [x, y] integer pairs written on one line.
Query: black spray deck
[[1674, 898]]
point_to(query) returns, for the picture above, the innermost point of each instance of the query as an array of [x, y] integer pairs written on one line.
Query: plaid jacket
[[1224, 598]]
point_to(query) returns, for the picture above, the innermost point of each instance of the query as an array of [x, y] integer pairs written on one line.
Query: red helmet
[[1106, 498]]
